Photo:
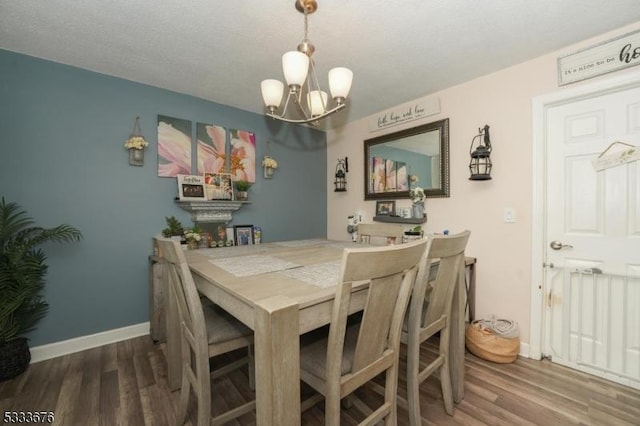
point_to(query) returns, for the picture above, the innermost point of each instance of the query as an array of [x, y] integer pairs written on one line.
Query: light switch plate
[[509, 215]]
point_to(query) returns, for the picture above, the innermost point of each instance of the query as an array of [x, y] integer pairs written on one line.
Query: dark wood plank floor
[[125, 384]]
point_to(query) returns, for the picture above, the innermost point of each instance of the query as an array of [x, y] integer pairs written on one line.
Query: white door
[[592, 238]]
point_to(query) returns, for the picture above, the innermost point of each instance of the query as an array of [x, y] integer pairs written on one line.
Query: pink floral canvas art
[[174, 146], [211, 155], [390, 175], [402, 181], [243, 155], [378, 174]]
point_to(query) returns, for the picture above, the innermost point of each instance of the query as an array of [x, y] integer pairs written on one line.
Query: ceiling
[[221, 50]]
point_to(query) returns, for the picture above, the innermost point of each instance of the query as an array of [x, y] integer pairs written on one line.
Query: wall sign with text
[[613, 55], [410, 111]]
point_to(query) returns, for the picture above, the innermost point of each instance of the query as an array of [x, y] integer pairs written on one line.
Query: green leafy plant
[[23, 269], [174, 227], [242, 185]]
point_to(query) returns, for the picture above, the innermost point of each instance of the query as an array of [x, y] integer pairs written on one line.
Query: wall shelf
[[395, 219], [211, 211]]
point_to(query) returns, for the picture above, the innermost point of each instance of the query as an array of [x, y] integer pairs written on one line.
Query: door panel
[[592, 320]]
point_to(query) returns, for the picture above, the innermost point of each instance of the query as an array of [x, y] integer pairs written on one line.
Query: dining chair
[[429, 313], [337, 364], [380, 233], [206, 330]]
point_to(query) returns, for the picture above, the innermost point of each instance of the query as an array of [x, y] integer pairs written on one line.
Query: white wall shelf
[[211, 211]]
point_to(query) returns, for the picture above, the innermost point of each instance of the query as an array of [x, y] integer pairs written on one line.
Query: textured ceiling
[[220, 50]]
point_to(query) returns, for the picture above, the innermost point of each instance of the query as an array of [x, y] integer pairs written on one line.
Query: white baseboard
[[524, 350], [77, 344]]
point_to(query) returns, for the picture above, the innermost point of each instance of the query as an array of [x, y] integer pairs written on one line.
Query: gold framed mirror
[[396, 162]]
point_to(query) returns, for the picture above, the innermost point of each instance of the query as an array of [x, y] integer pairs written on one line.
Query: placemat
[[252, 265], [321, 275]]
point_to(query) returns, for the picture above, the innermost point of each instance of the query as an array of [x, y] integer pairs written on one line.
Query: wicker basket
[[14, 358], [487, 345]]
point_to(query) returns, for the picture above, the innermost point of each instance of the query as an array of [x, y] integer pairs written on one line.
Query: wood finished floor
[[125, 384]]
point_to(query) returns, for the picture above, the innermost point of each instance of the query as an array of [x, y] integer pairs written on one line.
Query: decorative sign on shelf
[[613, 55], [410, 111]]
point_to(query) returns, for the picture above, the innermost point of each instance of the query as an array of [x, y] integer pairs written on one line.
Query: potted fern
[[22, 279]]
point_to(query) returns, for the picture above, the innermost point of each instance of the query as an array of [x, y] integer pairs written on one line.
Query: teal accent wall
[[62, 131]]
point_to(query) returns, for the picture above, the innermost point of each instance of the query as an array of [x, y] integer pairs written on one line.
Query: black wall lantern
[[342, 168], [480, 165]]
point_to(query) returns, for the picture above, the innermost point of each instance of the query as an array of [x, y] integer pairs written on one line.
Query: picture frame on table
[[218, 186], [385, 208], [243, 235], [191, 188]]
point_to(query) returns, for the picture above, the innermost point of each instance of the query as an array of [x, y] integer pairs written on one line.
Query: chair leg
[[413, 384], [447, 392], [391, 392], [184, 399], [332, 411], [445, 376], [252, 368]]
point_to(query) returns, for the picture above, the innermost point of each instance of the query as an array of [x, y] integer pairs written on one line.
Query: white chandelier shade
[[340, 79], [272, 93], [295, 66], [317, 101]]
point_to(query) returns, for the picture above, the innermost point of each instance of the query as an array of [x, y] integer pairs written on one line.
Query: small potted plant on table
[[242, 190]]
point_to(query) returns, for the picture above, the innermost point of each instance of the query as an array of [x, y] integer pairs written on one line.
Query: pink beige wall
[[503, 100]]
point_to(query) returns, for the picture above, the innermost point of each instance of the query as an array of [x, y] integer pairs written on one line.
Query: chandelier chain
[[306, 24]]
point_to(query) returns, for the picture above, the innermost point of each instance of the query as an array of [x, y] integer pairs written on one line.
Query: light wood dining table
[[281, 290]]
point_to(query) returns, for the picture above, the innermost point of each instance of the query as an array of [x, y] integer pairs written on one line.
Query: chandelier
[[302, 81]]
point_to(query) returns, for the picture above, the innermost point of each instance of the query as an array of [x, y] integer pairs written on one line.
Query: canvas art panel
[[402, 177], [390, 175], [211, 148], [174, 146], [242, 158], [377, 174]]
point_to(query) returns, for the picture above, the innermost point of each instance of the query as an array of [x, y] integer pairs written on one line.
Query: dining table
[[282, 290]]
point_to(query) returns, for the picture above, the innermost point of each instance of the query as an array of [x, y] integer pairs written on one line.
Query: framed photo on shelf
[[218, 186], [191, 188], [243, 235], [385, 208]]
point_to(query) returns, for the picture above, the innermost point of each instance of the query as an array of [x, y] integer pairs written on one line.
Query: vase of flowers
[[193, 237], [417, 198], [136, 145], [269, 165]]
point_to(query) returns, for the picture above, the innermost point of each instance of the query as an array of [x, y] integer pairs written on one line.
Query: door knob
[[557, 245]]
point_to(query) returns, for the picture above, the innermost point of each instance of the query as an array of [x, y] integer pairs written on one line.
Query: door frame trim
[[540, 105]]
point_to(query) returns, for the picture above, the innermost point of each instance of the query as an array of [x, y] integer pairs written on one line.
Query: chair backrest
[[390, 272], [448, 251], [380, 233], [185, 294]]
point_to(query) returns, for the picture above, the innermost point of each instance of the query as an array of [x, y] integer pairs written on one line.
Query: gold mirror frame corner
[[443, 191]]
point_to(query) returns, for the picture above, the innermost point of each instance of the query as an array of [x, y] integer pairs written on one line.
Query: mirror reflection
[[416, 157]]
